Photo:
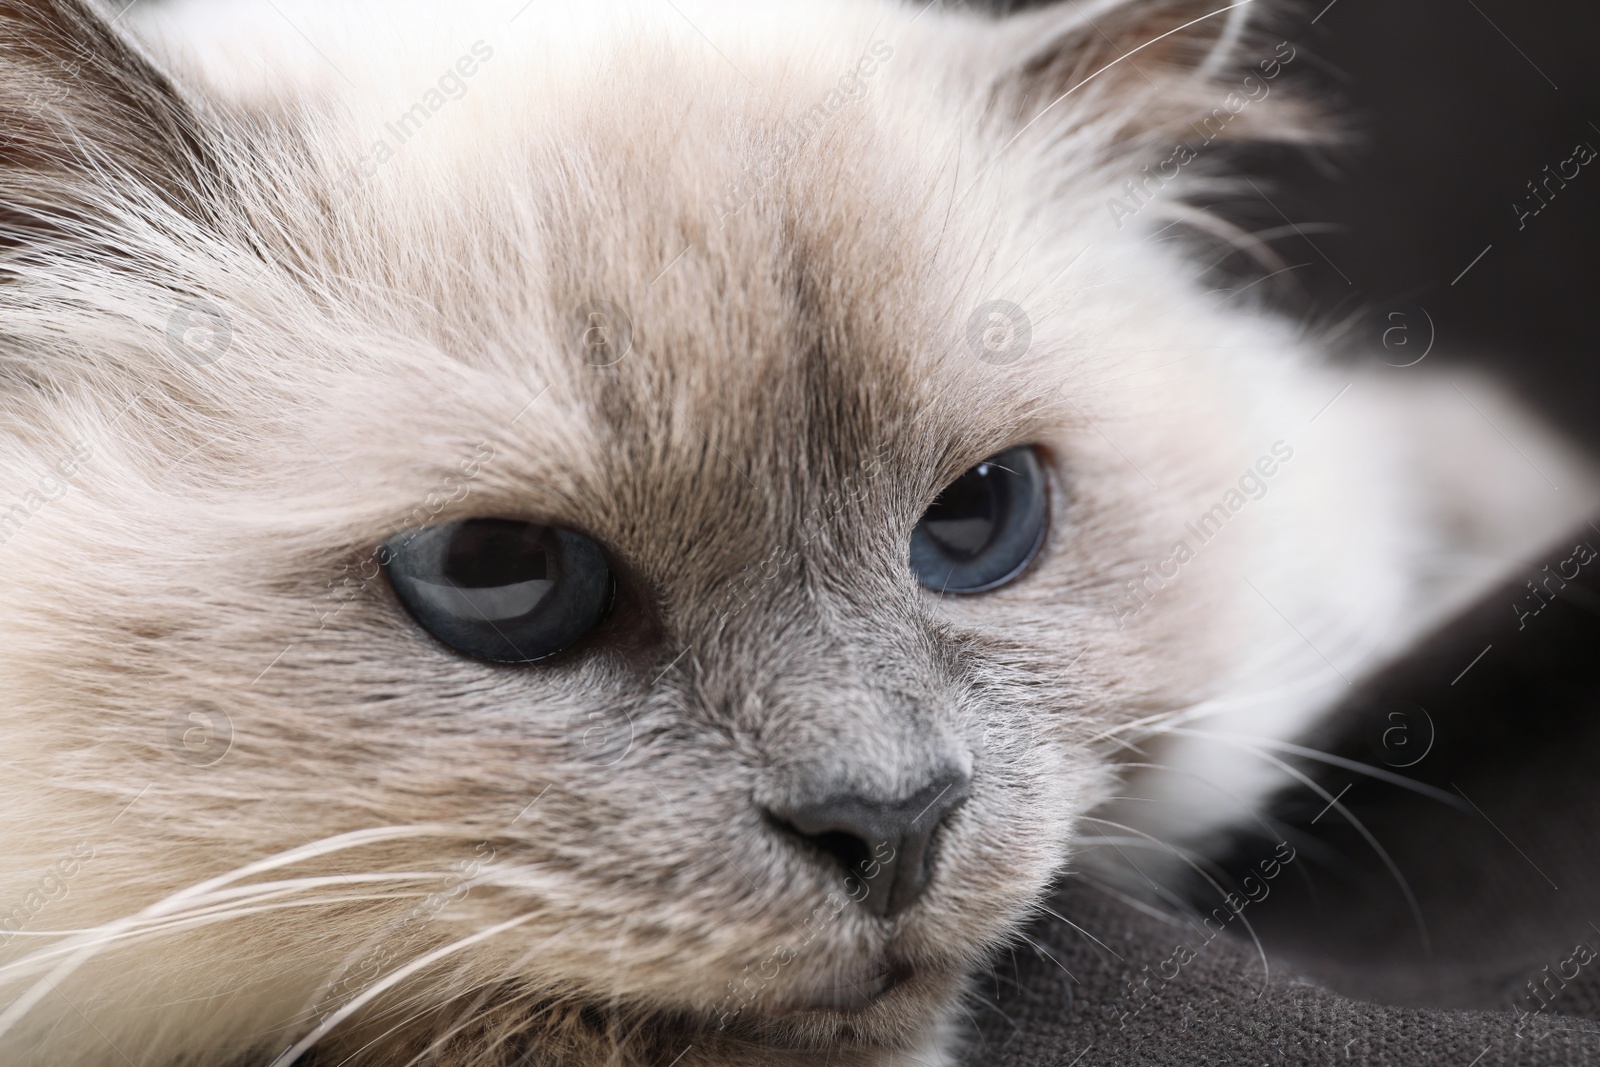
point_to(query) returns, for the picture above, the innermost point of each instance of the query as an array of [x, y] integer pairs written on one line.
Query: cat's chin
[[890, 1006], [899, 1014], [856, 993]]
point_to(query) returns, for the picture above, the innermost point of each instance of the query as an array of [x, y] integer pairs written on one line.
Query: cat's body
[[794, 227]]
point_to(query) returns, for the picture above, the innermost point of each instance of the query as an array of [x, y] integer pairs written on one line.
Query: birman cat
[[647, 532]]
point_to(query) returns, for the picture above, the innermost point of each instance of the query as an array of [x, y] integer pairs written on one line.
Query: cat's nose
[[884, 843]]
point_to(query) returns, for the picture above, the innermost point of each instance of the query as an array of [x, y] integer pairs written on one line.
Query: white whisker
[[1360, 827], [388, 982], [1334, 761], [1266, 972], [511, 969], [25, 1003]]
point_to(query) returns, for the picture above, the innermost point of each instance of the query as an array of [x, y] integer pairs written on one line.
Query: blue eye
[[498, 589], [985, 527]]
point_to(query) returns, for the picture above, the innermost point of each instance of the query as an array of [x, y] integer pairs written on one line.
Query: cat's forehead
[[704, 280], [802, 302]]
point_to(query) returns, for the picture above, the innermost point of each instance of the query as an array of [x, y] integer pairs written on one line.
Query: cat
[[883, 494]]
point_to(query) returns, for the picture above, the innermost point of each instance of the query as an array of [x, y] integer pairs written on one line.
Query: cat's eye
[[985, 527], [499, 589]]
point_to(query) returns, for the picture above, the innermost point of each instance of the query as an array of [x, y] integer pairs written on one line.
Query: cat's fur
[[798, 247]]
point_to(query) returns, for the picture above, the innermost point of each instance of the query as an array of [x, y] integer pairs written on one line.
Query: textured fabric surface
[[1471, 939], [1070, 1001]]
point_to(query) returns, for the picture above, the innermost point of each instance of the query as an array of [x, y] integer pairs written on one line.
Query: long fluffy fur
[[382, 852]]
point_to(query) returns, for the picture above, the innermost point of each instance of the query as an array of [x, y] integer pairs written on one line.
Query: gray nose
[[884, 843]]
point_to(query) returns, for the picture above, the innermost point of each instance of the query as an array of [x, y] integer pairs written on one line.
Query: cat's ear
[[1137, 75], [88, 126]]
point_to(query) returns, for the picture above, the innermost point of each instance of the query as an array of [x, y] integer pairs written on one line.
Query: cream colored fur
[[405, 856]]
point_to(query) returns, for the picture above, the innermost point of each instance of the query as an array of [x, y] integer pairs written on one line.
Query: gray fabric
[[1068, 1001]]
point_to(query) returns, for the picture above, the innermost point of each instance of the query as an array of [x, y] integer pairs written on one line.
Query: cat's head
[[731, 298]]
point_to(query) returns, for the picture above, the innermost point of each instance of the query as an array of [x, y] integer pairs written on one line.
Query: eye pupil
[[985, 527], [500, 589], [963, 519], [490, 553]]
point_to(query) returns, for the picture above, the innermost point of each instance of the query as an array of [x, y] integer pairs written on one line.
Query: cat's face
[[794, 360]]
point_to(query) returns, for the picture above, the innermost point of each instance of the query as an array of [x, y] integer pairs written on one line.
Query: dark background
[[1454, 106]]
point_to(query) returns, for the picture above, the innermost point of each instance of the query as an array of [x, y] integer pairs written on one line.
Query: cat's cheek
[[777, 566]]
